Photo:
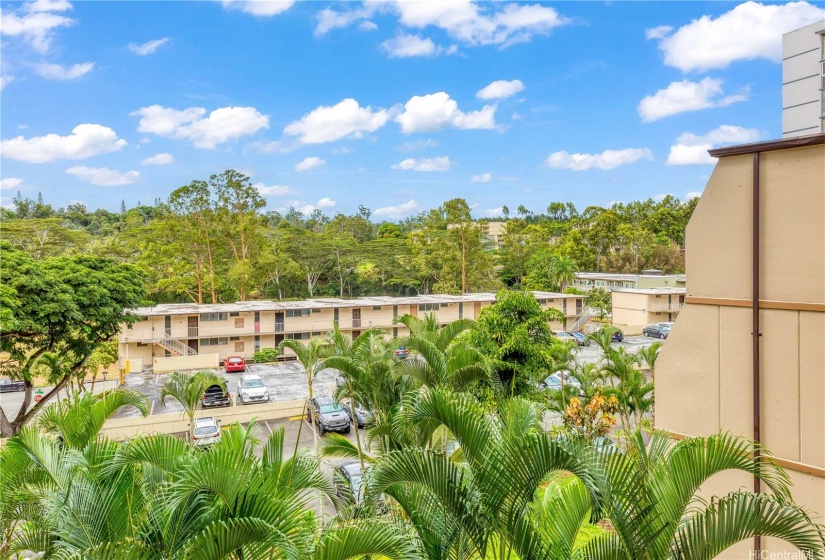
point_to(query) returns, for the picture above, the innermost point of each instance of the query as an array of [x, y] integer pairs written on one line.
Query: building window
[[144, 318], [239, 347], [239, 323], [542, 302], [316, 310], [376, 308], [297, 312], [142, 344], [235, 314], [257, 343], [234, 338], [428, 307], [214, 341], [213, 316], [460, 311], [298, 336]]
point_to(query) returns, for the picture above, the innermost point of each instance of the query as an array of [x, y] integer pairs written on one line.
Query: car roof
[[234, 358], [353, 467], [248, 376], [205, 421], [324, 400]]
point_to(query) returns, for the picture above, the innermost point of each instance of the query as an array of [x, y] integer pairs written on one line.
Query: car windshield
[[253, 384], [332, 407], [356, 484], [215, 390], [235, 360], [205, 430], [577, 335]]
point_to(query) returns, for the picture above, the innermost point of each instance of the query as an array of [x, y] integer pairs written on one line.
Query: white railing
[[580, 321], [175, 345], [673, 307]]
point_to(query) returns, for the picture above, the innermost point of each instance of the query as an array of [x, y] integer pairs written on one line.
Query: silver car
[[252, 389], [206, 432], [362, 415]]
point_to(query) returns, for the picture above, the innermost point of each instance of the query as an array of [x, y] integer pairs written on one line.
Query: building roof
[[652, 291], [629, 277], [327, 303]]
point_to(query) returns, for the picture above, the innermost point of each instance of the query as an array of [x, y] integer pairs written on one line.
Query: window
[[235, 314], [298, 336], [142, 318], [213, 316], [234, 338], [142, 344], [316, 310], [239, 347], [239, 323], [214, 341], [443, 305], [297, 312], [428, 307], [542, 302], [376, 308]]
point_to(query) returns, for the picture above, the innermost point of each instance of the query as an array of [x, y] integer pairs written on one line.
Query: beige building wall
[[634, 310], [704, 375]]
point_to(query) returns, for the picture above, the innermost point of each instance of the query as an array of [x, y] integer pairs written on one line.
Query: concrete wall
[[121, 428], [704, 381], [629, 311], [181, 363]]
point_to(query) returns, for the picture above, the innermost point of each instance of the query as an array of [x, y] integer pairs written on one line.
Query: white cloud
[[425, 113], [495, 212], [35, 22], [325, 202], [10, 183], [86, 140], [397, 211], [425, 164], [500, 89], [58, 72], [684, 96], [406, 46], [221, 125], [309, 163], [259, 8], [413, 145], [661, 197], [483, 178], [608, 159], [692, 149], [148, 47], [159, 159], [330, 19], [5, 80], [273, 190], [103, 176], [340, 150], [347, 119], [693, 194], [367, 26], [750, 30], [659, 32]]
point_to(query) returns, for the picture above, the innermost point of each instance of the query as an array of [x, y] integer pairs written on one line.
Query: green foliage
[[265, 355]]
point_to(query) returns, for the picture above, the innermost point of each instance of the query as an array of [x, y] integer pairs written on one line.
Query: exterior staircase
[[175, 346], [580, 321]]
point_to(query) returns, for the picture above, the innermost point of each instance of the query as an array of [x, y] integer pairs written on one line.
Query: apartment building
[[492, 232], [803, 81], [747, 355], [652, 278], [635, 308], [240, 329]]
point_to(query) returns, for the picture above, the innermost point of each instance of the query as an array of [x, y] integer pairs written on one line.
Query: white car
[[252, 389], [206, 432]]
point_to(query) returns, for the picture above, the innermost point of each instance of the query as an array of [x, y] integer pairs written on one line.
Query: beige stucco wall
[[704, 374]]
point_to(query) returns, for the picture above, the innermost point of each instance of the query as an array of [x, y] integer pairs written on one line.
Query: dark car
[[656, 331], [362, 415], [617, 336], [216, 395], [9, 386], [329, 415]]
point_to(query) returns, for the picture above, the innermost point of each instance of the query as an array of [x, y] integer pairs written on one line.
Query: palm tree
[[648, 355], [563, 271], [442, 360], [188, 389], [656, 514], [78, 422]]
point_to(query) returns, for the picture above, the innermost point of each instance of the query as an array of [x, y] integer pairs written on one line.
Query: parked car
[[656, 331], [206, 432], [579, 338], [668, 324], [617, 336], [329, 415], [401, 352], [251, 388], [340, 380], [215, 395], [234, 364], [362, 415], [347, 479], [9, 386], [554, 381]]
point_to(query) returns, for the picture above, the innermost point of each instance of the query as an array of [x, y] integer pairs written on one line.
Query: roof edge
[[769, 146]]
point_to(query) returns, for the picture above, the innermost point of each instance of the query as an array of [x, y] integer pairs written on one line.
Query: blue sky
[[398, 106]]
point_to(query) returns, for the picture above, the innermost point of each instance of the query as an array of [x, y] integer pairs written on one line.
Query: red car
[[234, 364]]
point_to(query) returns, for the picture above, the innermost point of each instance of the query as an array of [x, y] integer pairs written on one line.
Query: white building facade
[[803, 81]]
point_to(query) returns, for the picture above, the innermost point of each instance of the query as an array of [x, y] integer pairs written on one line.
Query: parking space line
[[268, 427]]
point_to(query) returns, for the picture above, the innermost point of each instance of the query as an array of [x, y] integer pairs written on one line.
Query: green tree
[[67, 305], [188, 389]]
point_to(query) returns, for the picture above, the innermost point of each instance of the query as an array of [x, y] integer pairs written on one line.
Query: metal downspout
[[757, 541]]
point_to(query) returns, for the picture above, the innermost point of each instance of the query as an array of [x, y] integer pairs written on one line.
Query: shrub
[[266, 355]]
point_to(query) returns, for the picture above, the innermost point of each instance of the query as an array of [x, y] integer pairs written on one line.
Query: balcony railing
[[673, 307]]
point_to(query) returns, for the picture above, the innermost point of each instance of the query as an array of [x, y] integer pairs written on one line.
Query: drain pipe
[[757, 541]]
